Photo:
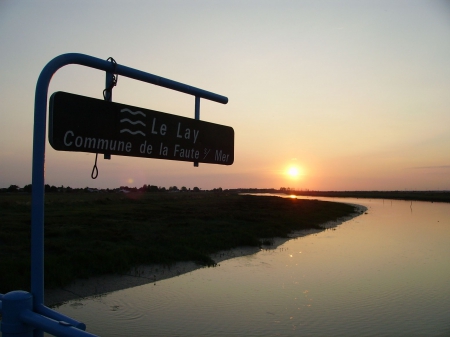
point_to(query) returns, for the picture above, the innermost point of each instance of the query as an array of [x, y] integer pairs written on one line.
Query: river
[[383, 273]]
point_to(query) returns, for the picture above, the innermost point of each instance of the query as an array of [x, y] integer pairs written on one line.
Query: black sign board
[[84, 124]]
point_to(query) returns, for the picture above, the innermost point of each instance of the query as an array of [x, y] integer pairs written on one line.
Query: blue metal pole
[[56, 328], [40, 109], [39, 135], [197, 107], [44, 311], [94, 62], [109, 78]]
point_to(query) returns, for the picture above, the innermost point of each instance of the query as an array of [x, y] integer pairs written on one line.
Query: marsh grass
[[90, 234]]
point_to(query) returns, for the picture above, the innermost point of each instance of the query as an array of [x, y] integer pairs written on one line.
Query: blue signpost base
[[19, 319], [13, 304]]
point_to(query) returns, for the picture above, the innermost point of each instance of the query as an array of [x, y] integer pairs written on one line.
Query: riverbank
[[431, 196], [145, 274], [90, 235]]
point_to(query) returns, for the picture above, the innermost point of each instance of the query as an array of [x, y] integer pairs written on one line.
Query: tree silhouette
[[13, 188]]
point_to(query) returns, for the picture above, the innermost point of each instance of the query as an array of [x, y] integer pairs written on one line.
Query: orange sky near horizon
[[353, 94]]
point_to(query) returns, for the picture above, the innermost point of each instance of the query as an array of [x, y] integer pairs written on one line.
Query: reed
[[91, 234]]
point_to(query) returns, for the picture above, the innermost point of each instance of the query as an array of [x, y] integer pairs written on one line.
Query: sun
[[293, 172]]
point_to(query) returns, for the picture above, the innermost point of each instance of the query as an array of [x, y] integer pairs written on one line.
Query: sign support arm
[[197, 116], [109, 84], [39, 140]]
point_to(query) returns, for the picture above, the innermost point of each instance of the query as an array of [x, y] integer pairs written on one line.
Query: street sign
[[84, 124]]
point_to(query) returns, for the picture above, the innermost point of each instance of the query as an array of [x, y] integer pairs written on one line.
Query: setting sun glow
[[293, 172]]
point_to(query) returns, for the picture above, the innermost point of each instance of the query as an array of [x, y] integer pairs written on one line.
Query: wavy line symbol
[[127, 120], [131, 122], [134, 113], [132, 132]]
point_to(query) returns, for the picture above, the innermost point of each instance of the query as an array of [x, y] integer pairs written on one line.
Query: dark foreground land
[[91, 234]]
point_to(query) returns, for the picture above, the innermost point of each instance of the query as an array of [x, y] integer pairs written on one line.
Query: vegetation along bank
[[93, 234]]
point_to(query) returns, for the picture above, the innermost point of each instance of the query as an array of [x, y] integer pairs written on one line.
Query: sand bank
[[145, 274]]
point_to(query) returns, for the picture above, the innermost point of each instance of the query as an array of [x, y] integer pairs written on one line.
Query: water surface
[[384, 273]]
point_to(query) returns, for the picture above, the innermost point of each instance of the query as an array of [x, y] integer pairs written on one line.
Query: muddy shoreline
[[145, 274]]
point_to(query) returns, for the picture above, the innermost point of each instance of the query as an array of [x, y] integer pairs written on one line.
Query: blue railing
[[24, 314]]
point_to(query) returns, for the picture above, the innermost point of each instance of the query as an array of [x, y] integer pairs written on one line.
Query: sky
[[345, 95]]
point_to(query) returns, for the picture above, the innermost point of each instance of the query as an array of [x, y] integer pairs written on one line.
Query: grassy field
[[89, 234]]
